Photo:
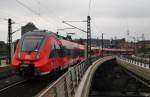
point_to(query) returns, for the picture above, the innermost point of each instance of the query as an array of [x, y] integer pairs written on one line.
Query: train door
[[53, 57], [61, 53], [59, 58]]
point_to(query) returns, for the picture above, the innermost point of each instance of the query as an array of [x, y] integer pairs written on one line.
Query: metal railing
[[142, 62], [66, 85], [6, 72]]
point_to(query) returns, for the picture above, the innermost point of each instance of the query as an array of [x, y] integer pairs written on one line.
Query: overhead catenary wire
[[33, 11], [8, 15], [57, 18], [19, 29], [27, 7], [3, 23], [45, 9], [5, 19], [75, 27], [96, 27], [89, 7]]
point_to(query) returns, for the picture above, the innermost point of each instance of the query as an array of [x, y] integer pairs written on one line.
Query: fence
[[142, 62], [66, 85], [5, 70], [3, 62]]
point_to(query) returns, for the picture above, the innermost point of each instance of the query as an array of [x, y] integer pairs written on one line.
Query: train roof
[[39, 32], [44, 33], [64, 41]]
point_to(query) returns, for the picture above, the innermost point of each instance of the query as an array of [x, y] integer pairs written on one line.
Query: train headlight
[[38, 56]]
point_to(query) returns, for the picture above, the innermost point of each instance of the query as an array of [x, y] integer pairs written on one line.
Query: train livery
[[42, 52]]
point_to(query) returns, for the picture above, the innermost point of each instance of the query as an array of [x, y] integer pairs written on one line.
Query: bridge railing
[[137, 61], [66, 85]]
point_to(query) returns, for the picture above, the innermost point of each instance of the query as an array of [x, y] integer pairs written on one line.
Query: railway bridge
[[110, 76]]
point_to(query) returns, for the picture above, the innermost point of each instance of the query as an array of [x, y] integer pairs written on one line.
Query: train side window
[[62, 51], [57, 46], [59, 50], [54, 52], [73, 53], [68, 51], [65, 51]]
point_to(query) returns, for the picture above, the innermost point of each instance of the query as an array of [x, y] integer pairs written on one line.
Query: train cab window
[[32, 43]]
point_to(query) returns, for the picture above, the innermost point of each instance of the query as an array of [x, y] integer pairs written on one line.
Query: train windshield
[[32, 43]]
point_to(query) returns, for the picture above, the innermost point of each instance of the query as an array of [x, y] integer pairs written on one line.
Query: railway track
[[143, 81], [10, 80], [12, 85], [29, 87], [113, 80]]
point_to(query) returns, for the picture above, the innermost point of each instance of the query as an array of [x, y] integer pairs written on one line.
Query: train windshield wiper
[[36, 47]]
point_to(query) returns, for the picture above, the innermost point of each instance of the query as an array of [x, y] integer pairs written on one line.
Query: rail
[[12, 85], [142, 62], [66, 85], [137, 67]]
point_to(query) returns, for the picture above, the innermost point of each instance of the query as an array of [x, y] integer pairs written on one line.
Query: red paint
[[44, 63]]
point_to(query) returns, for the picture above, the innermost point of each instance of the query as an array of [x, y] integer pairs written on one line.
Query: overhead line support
[[102, 43], [88, 56], [10, 22], [88, 43], [74, 26]]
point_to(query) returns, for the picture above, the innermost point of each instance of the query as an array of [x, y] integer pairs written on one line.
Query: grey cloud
[[111, 16]]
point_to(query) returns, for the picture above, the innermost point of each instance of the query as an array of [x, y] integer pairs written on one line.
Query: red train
[[42, 52]]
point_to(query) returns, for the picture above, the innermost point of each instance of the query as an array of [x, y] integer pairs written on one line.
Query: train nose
[[29, 56]]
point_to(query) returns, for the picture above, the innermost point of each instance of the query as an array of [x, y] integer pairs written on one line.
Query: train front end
[[30, 58]]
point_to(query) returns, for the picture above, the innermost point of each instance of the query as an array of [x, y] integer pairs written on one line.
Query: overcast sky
[[112, 17]]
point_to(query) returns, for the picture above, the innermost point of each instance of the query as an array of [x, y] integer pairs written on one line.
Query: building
[[28, 27], [118, 43], [95, 42], [143, 46], [144, 43], [2, 44]]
